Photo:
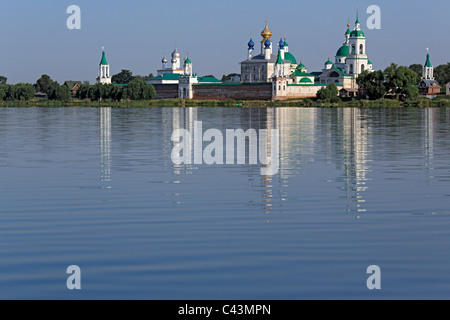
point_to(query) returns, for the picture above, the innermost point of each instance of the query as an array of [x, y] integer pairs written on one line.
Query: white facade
[[448, 88]]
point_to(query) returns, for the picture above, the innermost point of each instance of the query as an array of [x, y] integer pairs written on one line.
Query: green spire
[[357, 15], [103, 62], [279, 60], [428, 62]]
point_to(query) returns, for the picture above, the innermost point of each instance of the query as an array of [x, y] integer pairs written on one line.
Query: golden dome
[[266, 33]]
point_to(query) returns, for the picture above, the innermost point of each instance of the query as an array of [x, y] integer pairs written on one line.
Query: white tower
[[428, 70], [357, 61], [188, 67], [187, 81], [104, 75]]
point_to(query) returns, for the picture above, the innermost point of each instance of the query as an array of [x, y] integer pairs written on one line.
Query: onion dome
[[251, 44], [328, 62], [301, 66], [187, 61], [267, 44], [164, 60], [281, 44], [175, 55], [266, 33]]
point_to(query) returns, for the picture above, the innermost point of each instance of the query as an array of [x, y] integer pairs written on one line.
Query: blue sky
[[135, 33]]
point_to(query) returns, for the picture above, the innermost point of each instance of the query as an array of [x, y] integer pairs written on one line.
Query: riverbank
[[441, 101]]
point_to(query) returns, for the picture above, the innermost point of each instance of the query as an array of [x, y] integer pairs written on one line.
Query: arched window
[[361, 49], [351, 69], [362, 68], [353, 49]]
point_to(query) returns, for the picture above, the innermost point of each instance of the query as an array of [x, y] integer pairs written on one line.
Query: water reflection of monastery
[[342, 137]]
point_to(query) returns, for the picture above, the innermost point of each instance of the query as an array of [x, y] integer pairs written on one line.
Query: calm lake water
[[97, 188]]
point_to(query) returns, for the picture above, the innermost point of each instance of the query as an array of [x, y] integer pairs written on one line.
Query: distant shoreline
[[441, 101]]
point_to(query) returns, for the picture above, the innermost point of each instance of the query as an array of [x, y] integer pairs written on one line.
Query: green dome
[[301, 66], [348, 31], [357, 33], [290, 57], [285, 43], [369, 62], [343, 51], [187, 61], [328, 62], [305, 80]]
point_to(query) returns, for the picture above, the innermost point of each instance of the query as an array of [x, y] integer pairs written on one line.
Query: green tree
[[43, 84], [139, 90], [373, 84], [58, 92], [417, 68], [401, 81], [3, 80], [442, 74], [11, 93], [329, 93], [24, 91], [124, 77], [2, 92]]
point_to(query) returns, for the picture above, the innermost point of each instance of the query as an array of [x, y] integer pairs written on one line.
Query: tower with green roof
[[428, 70], [357, 61], [104, 74]]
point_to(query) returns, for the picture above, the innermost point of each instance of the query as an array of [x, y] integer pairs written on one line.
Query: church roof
[[208, 80], [428, 62], [261, 58], [289, 56], [343, 51], [167, 77], [279, 59], [426, 83], [298, 73], [103, 62], [357, 33]]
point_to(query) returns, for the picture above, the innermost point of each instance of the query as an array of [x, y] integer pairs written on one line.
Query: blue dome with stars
[[281, 44], [267, 44]]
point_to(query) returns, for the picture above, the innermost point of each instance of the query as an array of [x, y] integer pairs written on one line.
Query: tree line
[[129, 88], [399, 82], [136, 89]]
